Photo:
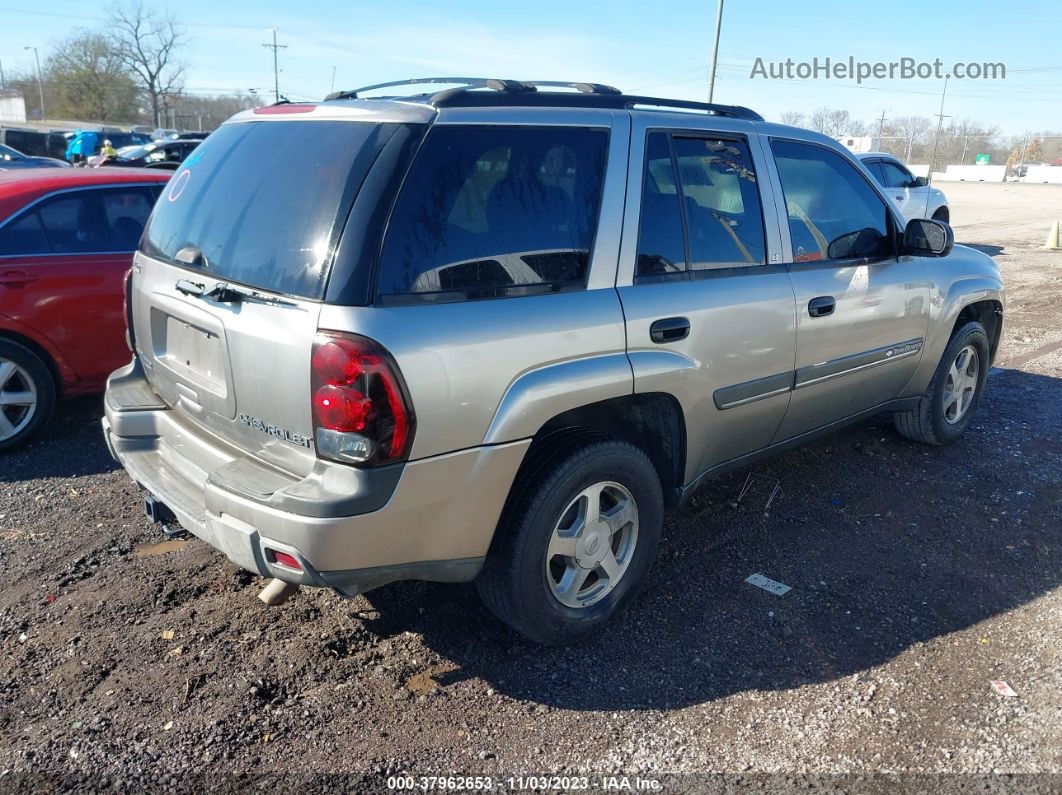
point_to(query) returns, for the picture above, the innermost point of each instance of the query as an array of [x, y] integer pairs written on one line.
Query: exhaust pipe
[[277, 592]]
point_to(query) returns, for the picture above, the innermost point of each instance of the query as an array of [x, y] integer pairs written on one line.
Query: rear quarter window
[[486, 210]]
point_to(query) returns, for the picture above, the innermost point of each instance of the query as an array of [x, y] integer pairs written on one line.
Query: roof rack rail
[[526, 93], [465, 83], [459, 98]]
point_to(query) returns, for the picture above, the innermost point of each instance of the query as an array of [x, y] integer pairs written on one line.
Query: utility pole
[[40, 78], [3, 85], [936, 138], [965, 140], [715, 51], [881, 123], [332, 87], [276, 71]]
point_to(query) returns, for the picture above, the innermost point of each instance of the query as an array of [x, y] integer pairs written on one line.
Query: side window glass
[[721, 201], [833, 212], [24, 237], [126, 212], [75, 223], [485, 208], [660, 244], [896, 177], [874, 167]]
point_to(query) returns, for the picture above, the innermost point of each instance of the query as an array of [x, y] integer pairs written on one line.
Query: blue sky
[[645, 47]]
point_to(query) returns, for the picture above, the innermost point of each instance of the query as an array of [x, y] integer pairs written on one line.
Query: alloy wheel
[[18, 399], [592, 545], [961, 385]]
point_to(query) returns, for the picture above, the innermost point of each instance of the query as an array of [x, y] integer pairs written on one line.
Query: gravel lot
[[918, 575]]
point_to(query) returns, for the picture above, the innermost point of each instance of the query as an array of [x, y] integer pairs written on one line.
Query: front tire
[[947, 407], [576, 543], [27, 395]]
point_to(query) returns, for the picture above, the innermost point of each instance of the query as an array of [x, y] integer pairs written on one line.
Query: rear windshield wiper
[[224, 293]]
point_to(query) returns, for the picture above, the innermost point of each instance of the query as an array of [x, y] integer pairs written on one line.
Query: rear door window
[[722, 203], [700, 206], [264, 202], [492, 210]]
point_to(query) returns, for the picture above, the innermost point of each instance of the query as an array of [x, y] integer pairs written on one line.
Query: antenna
[[276, 72]]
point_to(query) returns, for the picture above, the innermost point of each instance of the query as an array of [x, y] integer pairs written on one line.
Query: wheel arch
[[653, 422], [40, 352]]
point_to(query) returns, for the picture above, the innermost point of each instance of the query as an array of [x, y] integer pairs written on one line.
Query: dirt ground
[[918, 575]]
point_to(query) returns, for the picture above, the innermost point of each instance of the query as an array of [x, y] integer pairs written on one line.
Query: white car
[[913, 196]]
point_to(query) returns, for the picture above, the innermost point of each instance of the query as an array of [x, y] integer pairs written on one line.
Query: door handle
[[821, 306], [669, 329], [16, 279]]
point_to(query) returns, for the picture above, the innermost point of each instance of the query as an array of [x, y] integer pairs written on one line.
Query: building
[[12, 106]]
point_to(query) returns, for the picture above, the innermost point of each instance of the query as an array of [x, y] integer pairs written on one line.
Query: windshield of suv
[[262, 203]]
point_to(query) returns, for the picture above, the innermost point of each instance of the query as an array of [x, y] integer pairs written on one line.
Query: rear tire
[[947, 407], [27, 395], [575, 543]]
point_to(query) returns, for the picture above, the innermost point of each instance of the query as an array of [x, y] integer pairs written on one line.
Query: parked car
[[157, 154], [66, 242], [11, 159], [646, 293], [913, 196]]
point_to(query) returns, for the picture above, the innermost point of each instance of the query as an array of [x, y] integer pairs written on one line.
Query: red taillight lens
[[337, 361], [339, 408], [361, 409]]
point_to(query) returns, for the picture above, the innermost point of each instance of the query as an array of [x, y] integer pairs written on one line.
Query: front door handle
[[821, 306], [669, 329], [16, 279]]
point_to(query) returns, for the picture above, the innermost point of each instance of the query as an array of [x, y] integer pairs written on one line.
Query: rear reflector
[[284, 559]]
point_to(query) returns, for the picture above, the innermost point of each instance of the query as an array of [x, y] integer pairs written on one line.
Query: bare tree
[[148, 43], [89, 80], [836, 123], [793, 118]]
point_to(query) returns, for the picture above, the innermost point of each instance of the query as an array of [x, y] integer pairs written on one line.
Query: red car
[[67, 238]]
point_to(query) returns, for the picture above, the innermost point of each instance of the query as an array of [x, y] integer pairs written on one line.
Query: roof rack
[[526, 93]]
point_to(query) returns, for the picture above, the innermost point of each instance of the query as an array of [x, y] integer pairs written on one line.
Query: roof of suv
[[484, 92]]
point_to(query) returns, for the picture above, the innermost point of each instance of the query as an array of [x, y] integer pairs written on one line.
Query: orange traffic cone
[[1052, 238]]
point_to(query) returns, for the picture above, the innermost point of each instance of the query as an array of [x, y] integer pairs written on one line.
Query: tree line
[[128, 71], [915, 139]]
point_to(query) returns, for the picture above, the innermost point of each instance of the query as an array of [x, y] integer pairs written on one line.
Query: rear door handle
[[16, 279], [669, 329], [821, 306]]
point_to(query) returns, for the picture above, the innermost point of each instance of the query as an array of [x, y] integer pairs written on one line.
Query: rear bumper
[[351, 530]]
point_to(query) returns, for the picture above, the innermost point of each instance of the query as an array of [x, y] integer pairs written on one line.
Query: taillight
[[127, 310], [361, 410]]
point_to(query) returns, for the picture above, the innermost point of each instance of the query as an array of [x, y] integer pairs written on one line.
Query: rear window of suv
[[493, 211], [265, 201]]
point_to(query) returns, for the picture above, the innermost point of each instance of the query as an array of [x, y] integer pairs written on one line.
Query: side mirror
[[920, 182], [926, 238]]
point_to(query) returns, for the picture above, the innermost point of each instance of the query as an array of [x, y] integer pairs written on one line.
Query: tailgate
[[238, 370]]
